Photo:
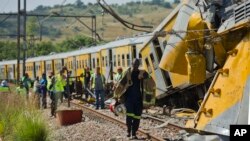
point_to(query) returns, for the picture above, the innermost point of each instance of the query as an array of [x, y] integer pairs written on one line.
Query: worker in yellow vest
[[59, 86], [118, 77], [21, 90], [97, 82]]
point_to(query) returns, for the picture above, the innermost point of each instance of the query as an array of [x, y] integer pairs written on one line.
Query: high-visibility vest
[[93, 80], [118, 77], [60, 83], [21, 91], [149, 87], [71, 81], [50, 82]]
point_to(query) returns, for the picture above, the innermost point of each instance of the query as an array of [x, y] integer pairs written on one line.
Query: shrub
[[19, 121]]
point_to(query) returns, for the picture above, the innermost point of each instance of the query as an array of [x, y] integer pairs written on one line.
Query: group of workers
[[55, 85]]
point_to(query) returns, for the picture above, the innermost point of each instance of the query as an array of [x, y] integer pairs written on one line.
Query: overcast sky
[[11, 5]]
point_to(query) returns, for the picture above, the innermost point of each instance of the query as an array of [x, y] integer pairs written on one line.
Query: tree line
[[9, 48]]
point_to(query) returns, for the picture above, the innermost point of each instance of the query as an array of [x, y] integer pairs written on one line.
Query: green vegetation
[[9, 51], [19, 121], [65, 34]]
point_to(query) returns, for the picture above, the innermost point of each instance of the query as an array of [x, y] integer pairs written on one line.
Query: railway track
[[115, 121]]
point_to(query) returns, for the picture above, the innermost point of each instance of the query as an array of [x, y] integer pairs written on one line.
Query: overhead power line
[[127, 24]]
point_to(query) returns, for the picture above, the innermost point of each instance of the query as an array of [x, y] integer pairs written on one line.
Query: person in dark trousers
[[43, 87], [51, 90], [26, 82], [86, 76], [134, 100]]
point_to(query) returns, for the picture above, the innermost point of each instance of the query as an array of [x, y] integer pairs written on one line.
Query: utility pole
[[24, 37], [18, 40]]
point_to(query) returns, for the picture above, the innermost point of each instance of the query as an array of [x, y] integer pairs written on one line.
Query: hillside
[[109, 28], [64, 34]]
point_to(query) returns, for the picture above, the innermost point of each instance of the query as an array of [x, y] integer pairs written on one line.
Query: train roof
[[163, 23], [7, 62], [117, 43]]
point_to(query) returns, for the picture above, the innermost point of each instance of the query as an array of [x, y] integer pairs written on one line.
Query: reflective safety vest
[[93, 77], [149, 87], [118, 77], [50, 82], [59, 83], [21, 91], [71, 81]]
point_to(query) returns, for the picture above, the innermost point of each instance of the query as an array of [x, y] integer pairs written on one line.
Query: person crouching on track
[[50, 87], [43, 87], [97, 82]]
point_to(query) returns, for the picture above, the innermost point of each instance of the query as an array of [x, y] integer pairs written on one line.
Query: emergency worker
[[59, 86], [71, 83], [133, 98], [118, 76], [43, 87], [87, 76], [97, 81], [26, 83], [51, 88], [21, 90]]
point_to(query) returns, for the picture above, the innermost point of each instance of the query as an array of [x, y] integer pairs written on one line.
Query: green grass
[[19, 121]]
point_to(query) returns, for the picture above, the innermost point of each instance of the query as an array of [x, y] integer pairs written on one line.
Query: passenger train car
[[109, 57]]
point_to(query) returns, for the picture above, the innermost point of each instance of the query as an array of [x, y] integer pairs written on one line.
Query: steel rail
[[116, 121]]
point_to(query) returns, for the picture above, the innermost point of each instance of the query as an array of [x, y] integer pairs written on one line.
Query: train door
[[14, 71], [158, 52], [134, 52], [53, 66], [34, 70], [43, 66], [109, 63], [10, 72], [2, 73], [74, 66]]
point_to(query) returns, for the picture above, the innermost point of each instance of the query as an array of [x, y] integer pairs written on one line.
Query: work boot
[[128, 135], [134, 137]]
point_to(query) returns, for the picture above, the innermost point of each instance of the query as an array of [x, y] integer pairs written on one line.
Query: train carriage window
[[103, 61], [97, 64], [123, 60], [77, 63], [119, 60], [128, 60], [86, 63], [153, 61], [80, 63], [106, 61], [70, 65], [148, 66], [114, 60], [140, 58], [93, 62], [134, 51]]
